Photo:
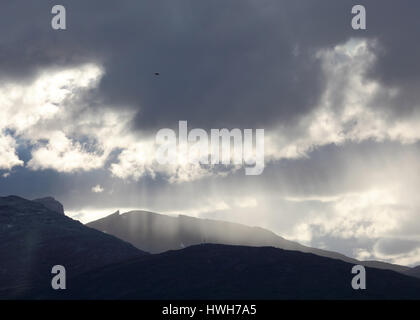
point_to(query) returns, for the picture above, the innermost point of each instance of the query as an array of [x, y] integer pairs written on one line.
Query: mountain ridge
[[156, 233]]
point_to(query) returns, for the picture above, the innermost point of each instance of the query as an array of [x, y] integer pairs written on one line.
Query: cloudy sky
[[340, 108]]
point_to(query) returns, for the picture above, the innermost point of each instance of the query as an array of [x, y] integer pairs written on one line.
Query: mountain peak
[[51, 204]]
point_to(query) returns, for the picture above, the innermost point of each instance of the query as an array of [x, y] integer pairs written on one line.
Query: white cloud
[[68, 136], [51, 114], [8, 155], [362, 254], [346, 112], [98, 189], [369, 214], [246, 202], [40, 113], [64, 155], [411, 258], [138, 160], [29, 105]]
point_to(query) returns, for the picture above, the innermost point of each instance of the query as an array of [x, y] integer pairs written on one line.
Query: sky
[[80, 109]]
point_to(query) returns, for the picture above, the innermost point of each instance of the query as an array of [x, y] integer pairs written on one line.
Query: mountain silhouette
[[157, 233], [234, 272], [34, 238]]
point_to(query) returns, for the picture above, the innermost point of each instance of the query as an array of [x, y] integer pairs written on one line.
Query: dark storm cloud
[[221, 63], [396, 26], [248, 63]]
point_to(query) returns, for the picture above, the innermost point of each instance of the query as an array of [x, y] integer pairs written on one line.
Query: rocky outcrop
[[52, 204]]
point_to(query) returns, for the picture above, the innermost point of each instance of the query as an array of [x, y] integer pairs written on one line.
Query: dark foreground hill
[[157, 233], [234, 272], [34, 238]]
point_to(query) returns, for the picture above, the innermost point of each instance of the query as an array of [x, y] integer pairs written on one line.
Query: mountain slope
[[414, 272], [235, 272], [157, 233], [34, 238]]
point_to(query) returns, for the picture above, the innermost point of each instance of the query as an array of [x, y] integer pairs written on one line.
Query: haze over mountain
[[33, 238], [157, 233]]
